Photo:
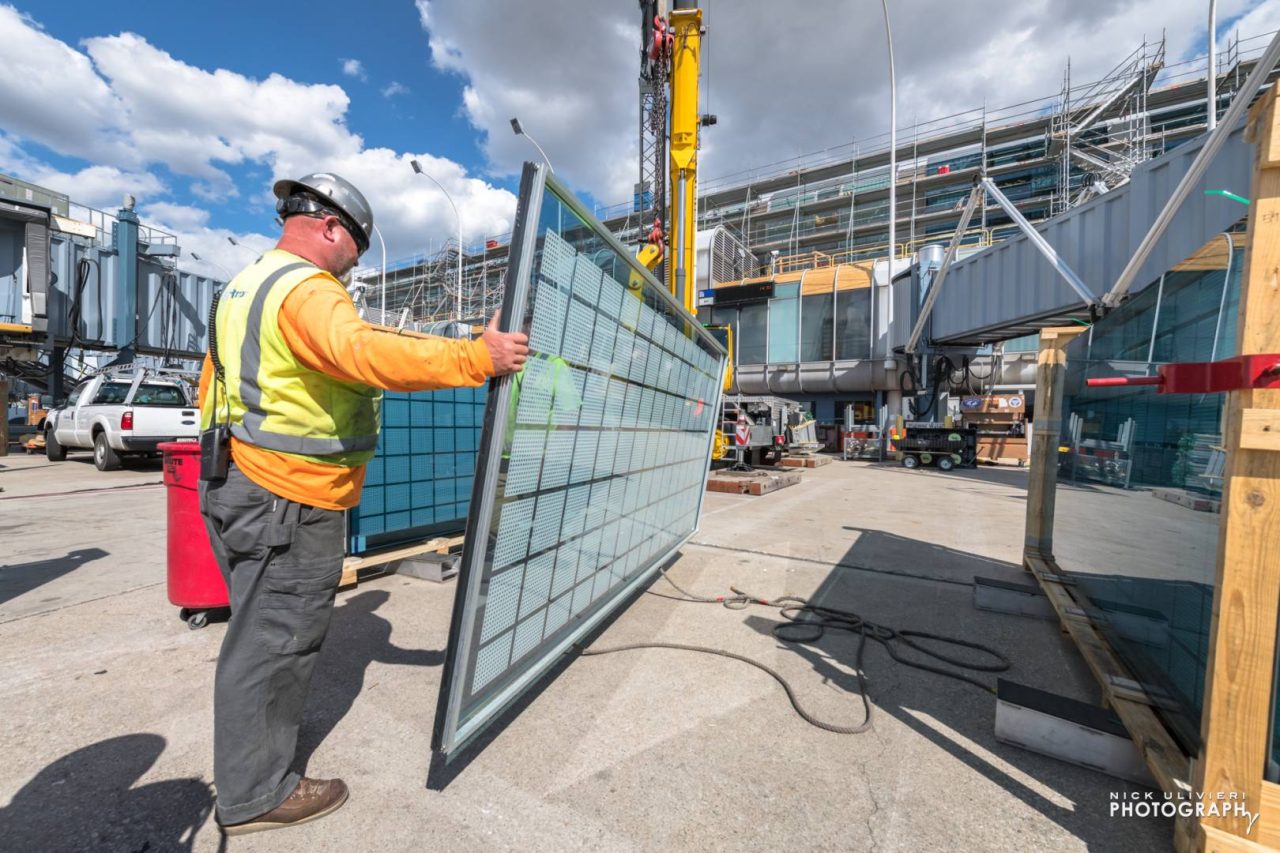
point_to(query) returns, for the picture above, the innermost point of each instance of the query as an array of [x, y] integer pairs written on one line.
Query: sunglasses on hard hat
[[307, 204]]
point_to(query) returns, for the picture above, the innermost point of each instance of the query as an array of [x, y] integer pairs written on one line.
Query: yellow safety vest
[[274, 400]]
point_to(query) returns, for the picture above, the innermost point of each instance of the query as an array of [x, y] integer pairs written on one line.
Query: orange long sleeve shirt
[[321, 326]]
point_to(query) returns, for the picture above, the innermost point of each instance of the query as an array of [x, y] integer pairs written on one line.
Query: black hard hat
[[332, 192]]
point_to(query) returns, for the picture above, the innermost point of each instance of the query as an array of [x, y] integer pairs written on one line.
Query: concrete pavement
[[106, 721]]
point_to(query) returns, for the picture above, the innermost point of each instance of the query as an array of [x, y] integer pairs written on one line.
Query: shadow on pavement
[[923, 559], [956, 717], [21, 578], [357, 637], [86, 800]]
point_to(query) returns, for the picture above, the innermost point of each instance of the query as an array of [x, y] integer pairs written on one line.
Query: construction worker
[[299, 385]]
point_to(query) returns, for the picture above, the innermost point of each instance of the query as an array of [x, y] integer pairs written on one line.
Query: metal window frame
[[449, 736]]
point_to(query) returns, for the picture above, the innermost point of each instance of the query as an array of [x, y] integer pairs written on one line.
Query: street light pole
[[417, 168], [382, 297], [202, 258], [1212, 77], [520, 131], [893, 156]]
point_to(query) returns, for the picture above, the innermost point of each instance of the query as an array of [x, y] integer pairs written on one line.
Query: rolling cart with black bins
[[937, 444]]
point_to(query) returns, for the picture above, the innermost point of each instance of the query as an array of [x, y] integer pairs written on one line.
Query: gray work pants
[[282, 562]]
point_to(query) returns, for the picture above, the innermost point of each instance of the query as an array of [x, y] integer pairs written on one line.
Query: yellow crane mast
[[671, 56]]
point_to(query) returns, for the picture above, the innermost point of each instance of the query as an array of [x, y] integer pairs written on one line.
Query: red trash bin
[[195, 582]]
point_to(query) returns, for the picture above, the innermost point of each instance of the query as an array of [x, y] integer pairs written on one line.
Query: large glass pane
[[816, 332], [1140, 484], [853, 323], [784, 321], [752, 335], [594, 458]]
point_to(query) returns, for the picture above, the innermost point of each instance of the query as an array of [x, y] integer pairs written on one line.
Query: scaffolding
[[1045, 155], [1099, 135], [424, 289]]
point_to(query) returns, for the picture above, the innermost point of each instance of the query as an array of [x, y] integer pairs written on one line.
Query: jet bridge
[[1011, 289]]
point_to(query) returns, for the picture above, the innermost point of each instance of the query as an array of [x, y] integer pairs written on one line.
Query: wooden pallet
[[371, 565], [753, 483], [805, 461], [1012, 461]]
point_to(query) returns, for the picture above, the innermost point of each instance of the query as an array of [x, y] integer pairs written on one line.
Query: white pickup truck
[[122, 412]]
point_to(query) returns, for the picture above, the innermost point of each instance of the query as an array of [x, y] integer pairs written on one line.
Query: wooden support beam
[[1168, 764], [1235, 724], [1046, 432]]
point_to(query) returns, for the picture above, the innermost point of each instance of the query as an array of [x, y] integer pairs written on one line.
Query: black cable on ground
[[808, 623]]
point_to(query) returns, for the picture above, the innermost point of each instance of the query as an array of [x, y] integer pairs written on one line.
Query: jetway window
[[853, 324], [752, 334], [816, 332], [784, 323]]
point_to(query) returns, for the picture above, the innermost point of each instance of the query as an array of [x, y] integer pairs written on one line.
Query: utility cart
[[937, 444]]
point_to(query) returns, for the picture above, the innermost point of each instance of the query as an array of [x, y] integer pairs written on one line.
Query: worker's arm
[[321, 326]]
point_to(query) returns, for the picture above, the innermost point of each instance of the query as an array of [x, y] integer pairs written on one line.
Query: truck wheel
[[946, 463], [909, 461], [104, 457], [53, 451]]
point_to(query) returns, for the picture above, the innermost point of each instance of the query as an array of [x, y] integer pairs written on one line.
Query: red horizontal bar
[[1108, 381], [1261, 370]]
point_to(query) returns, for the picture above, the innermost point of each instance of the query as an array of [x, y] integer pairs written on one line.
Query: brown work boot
[[313, 798]]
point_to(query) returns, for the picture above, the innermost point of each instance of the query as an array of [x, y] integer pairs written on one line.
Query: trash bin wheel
[[197, 619]]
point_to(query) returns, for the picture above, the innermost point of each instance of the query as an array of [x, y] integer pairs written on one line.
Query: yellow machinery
[[685, 56], [671, 54], [670, 62]]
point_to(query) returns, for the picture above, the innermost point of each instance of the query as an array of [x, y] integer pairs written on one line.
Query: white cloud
[[205, 250], [354, 68], [781, 85], [126, 105], [1265, 18], [103, 187], [394, 88], [570, 78], [51, 91]]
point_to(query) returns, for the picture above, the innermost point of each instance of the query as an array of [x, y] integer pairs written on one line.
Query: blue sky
[[196, 107], [307, 43], [261, 38]]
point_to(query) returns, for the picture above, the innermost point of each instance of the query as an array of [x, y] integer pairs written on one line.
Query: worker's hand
[[507, 349]]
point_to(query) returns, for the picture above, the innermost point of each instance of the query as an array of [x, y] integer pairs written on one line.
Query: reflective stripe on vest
[[274, 401], [251, 428]]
